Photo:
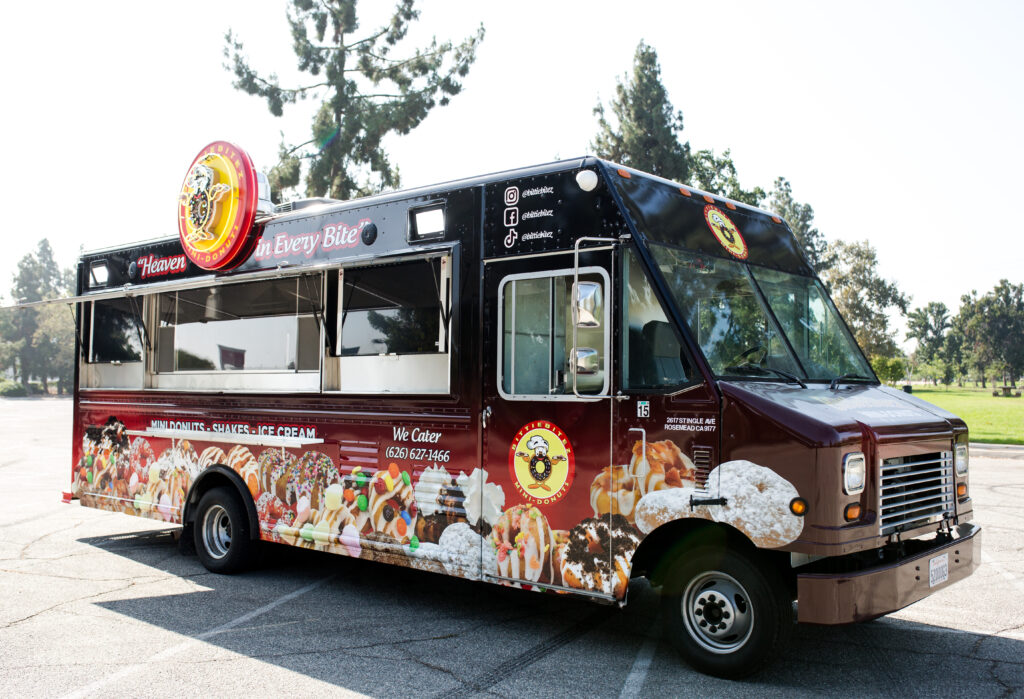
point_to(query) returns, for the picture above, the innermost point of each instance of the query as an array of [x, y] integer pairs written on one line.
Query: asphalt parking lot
[[102, 604]]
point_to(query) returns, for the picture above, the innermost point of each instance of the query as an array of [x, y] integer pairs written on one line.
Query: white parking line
[[184, 645], [638, 673]]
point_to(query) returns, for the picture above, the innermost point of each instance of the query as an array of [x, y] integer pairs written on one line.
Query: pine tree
[[647, 129], [367, 92], [800, 218]]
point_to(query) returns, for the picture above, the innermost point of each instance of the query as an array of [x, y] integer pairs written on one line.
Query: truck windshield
[[732, 309]]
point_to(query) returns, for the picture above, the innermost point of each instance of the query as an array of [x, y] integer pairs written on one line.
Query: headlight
[[853, 473], [961, 459]]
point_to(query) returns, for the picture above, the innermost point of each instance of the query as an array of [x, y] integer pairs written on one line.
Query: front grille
[[916, 490]]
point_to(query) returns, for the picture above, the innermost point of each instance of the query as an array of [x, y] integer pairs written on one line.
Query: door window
[[537, 322]]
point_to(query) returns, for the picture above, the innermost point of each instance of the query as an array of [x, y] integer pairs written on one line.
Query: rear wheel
[[725, 615], [221, 532]]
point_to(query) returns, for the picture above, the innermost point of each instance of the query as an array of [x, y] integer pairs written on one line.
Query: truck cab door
[[547, 415]]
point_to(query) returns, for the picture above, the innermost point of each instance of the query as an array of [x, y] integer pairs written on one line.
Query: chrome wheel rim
[[717, 612], [217, 531]]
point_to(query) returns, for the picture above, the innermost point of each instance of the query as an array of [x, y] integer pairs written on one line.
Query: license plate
[[938, 570]]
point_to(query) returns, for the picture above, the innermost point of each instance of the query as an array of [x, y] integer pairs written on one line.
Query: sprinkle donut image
[[315, 473], [241, 461], [270, 509], [592, 543], [212, 456], [330, 522], [356, 495], [522, 541], [392, 503], [613, 491], [273, 464]]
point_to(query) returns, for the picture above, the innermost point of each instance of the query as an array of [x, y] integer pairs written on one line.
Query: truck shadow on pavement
[[384, 630]]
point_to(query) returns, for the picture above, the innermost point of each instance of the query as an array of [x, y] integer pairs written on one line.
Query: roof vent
[[303, 204]]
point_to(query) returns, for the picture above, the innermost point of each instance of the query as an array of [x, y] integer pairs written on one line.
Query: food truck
[[556, 378]]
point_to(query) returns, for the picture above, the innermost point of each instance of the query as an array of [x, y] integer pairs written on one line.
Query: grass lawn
[[990, 419]]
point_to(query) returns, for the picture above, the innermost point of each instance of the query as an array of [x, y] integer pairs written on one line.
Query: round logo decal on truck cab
[[726, 231], [541, 463], [217, 206]]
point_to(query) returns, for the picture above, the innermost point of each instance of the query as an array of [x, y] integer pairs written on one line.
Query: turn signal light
[[852, 512], [961, 490], [798, 506]]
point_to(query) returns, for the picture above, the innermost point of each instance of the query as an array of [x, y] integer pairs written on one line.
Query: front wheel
[[724, 614], [221, 532]]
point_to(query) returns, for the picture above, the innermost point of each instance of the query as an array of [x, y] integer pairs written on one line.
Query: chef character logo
[[541, 463], [200, 199], [726, 231]]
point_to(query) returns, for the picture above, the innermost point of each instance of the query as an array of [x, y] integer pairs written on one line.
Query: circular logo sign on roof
[[217, 206], [726, 231]]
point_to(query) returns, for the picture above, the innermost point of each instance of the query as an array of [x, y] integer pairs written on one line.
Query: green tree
[[800, 218], [717, 175], [971, 323], [366, 93], [891, 370], [863, 297], [38, 278], [647, 128], [928, 325], [995, 328]]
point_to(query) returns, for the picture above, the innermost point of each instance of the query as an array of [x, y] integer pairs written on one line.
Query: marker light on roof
[[624, 173], [685, 192], [729, 205], [708, 199], [587, 180]]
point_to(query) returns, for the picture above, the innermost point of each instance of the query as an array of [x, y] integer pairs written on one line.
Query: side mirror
[[589, 304], [588, 361]]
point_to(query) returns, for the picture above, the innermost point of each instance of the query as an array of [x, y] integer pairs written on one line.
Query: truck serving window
[[115, 332], [652, 356], [536, 334], [263, 326], [392, 328], [392, 309]]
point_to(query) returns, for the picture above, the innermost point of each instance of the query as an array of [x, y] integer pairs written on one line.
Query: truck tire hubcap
[[217, 531], [716, 612]]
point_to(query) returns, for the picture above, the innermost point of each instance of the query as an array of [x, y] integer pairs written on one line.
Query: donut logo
[[217, 206], [726, 231], [541, 463]]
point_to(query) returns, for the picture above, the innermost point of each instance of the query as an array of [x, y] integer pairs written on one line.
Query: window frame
[[500, 329], [334, 369]]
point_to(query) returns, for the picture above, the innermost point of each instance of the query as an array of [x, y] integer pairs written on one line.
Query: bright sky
[[899, 122]]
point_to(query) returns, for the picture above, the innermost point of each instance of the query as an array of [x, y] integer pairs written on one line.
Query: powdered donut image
[[664, 466], [614, 491], [599, 555], [439, 501], [463, 552], [522, 542], [757, 503]]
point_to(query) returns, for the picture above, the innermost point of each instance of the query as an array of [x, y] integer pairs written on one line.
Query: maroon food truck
[[556, 378]]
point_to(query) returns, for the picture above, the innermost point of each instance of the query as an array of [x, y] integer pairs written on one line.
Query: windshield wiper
[[846, 377], [785, 374]]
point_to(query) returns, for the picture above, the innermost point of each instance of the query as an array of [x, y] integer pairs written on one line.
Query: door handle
[[484, 416]]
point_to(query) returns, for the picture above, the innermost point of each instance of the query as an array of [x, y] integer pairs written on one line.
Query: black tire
[[726, 615], [221, 532]]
